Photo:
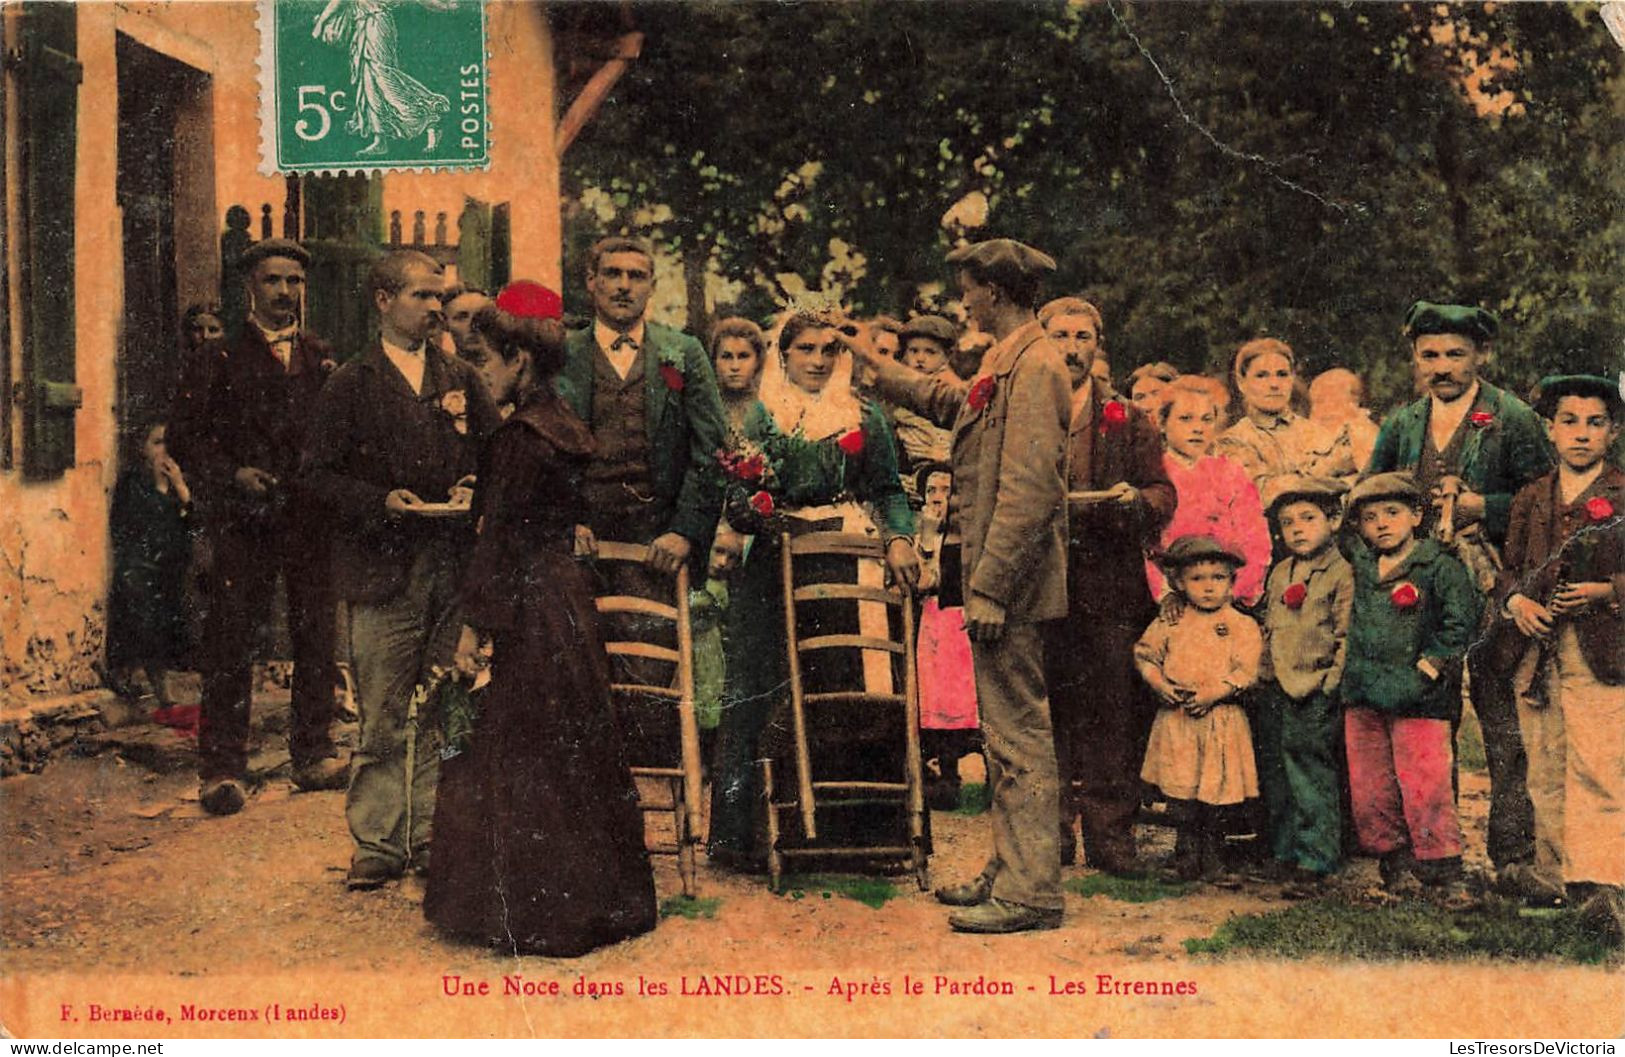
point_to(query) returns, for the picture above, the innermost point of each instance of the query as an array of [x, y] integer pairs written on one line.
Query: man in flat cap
[[1471, 447], [240, 435], [1007, 515]]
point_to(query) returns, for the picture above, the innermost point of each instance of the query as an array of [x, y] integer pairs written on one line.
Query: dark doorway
[[155, 93]]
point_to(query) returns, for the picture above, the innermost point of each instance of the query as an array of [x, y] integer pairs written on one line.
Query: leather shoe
[[329, 773], [370, 872], [1520, 880], [972, 893], [998, 916], [222, 796]]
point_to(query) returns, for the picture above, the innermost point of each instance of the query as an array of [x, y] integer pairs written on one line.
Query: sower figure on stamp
[[650, 397], [1471, 447], [1008, 516], [1120, 498], [398, 436], [238, 431]]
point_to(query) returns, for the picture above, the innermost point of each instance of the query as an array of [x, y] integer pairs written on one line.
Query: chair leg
[[775, 862], [685, 842]]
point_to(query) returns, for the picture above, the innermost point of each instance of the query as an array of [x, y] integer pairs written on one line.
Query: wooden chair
[[680, 774], [806, 795]]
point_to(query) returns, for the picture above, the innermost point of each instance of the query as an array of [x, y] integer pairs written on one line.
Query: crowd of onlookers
[[1240, 598]]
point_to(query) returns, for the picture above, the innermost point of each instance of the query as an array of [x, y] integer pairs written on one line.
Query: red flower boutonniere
[[1294, 595], [762, 503], [1481, 419], [1598, 508], [673, 377], [981, 392], [1405, 596], [751, 468], [1113, 416], [851, 442]]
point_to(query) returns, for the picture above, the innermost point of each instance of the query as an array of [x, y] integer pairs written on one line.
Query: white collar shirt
[[620, 347], [410, 362]]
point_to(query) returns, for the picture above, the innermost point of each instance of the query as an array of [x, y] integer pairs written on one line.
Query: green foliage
[[1411, 930], [1206, 174], [870, 891], [974, 799], [1146, 889], [681, 906]]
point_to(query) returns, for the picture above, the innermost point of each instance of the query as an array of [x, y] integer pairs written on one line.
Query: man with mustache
[[1471, 447], [650, 396], [239, 435]]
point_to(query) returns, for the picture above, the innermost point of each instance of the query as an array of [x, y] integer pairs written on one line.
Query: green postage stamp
[[373, 84]]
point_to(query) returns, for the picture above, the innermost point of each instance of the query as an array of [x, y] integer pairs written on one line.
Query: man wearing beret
[[1471, 447], [240, 434], [1007, 515], [649, 394]]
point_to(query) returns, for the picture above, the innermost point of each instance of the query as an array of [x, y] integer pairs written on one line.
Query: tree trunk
[[695, 258]]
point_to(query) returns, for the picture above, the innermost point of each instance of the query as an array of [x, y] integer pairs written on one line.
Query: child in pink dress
[[948, 723], [1216, 496]]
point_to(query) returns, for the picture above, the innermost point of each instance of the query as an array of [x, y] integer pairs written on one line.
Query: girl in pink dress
[[948, 723], [1217, 498]]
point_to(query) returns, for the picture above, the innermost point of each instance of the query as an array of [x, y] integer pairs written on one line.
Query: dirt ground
[[120, 890]]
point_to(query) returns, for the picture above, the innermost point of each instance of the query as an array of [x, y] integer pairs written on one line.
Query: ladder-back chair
[[678, 768]]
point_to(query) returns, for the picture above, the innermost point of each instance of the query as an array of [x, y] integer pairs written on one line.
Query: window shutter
[[48, 76]]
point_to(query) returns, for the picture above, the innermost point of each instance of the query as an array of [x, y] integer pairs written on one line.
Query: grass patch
[[1127, 889], [1411, 930], [1470, 743], [974, 799], [870, 891], [681, 906]]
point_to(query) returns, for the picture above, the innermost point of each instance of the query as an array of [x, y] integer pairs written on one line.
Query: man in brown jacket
[[1120, 499], [1008, 515]]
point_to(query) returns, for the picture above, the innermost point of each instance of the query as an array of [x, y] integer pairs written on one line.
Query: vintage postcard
[[1038, 518]]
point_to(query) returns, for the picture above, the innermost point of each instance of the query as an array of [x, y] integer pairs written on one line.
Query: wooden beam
[[627, 48]]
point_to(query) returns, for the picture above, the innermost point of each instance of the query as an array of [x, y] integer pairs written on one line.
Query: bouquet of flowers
[[750, 486]]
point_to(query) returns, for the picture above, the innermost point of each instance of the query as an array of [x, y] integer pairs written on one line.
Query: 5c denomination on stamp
[[373, 85]]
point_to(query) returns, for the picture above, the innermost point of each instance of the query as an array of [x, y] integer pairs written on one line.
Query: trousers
[[393, 645], [1400, 771], [1025, 866], [241, 585]]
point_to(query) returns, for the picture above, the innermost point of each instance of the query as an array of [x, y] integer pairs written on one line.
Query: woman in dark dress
[[538, 840]]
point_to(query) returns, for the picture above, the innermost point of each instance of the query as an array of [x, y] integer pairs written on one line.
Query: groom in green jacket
[[650, 397], [1471, 447]]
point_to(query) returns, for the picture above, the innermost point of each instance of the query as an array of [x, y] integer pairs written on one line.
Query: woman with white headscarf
[[834, 468]]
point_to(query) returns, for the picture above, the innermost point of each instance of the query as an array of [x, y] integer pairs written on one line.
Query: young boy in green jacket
[[1415, 611]]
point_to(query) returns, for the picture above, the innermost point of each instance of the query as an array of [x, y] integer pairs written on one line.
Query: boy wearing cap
[[926, 342], [1307, 602], [1415, 612], [239, 436], [1470, 447], [1563, 584]]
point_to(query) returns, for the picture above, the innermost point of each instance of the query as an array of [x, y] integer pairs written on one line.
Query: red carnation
[[1294, 595], [1405, 596], [1599, 508], [851, 442], [762, 503], [1113, 416], [673, 377], [750, 469], [981, 392], [1480, 419]]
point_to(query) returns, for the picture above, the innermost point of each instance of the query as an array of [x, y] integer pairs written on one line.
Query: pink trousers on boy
[[1400, 782]]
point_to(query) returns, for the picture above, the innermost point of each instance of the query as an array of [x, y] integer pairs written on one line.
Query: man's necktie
[[624, 341], [281, 342]]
